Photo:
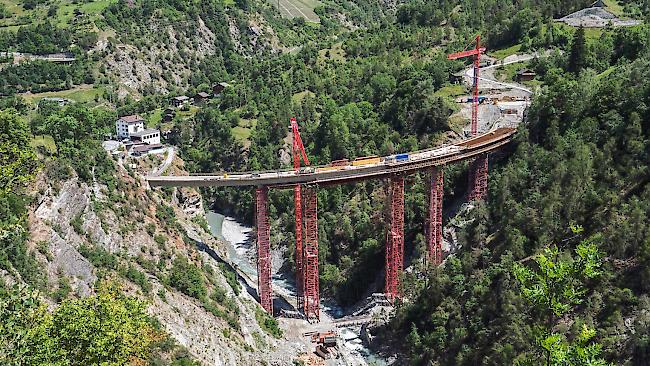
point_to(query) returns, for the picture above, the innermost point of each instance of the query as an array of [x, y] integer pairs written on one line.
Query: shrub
[[187, 278]]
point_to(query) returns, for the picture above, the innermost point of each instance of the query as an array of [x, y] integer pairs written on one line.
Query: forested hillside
[[553, 267], [582, 159]]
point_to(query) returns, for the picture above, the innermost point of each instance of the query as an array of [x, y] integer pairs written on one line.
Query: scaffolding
[[434, 221], [478, 178], [263, 249], [311, 285], [395, 237], [300, 284]]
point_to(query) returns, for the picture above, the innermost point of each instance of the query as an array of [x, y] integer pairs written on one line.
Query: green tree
[[559, 283], [578, 55], [17, 159], [106, 329]]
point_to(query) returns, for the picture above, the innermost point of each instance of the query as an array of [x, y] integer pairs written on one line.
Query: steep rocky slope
[[83, 232]]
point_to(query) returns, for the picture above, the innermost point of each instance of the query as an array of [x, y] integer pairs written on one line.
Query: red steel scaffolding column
[[434, 222], [264, 289], [395, 237], [300, 283], [478, 178], [310, 273]]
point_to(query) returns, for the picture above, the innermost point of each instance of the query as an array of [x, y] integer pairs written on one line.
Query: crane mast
[[476, 53], [298, 152]]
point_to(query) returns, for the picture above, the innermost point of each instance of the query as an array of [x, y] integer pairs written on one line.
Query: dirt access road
[[504, 113]]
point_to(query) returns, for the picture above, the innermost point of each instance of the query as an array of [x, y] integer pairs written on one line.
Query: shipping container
[[402, 157], [328, 168], [340, 162], [368, 160]]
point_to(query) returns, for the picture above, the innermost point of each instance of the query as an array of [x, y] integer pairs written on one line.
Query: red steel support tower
[[395, 237], [263, 249], [298, 151], [434, 222], [478, 178], [312, 291], [478, 169]]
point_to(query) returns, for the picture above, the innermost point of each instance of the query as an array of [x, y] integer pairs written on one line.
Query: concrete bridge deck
[[327, 175]]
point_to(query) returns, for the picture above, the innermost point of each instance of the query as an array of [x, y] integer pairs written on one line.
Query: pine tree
[[578, 56]]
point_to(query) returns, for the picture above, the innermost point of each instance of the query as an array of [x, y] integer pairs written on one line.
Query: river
[[238, 236]]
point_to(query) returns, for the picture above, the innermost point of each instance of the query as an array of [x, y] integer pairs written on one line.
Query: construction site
[[326, 334]]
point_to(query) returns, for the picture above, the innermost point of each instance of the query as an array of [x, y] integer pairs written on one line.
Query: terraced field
[[298, 8]]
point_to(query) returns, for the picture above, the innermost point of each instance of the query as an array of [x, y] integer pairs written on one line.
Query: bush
[[268, 323], [187, 278], [231, 278], [98, 256], [138, 278]]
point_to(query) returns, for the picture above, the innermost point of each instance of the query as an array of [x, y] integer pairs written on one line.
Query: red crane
[[298, 150], [476, 52], [479, 169]]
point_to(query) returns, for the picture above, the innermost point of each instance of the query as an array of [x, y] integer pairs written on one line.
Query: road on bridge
[[354, 171]]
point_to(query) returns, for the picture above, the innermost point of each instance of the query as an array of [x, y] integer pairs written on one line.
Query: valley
[[261, 182]]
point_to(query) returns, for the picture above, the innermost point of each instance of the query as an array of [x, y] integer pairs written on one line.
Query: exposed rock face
[[161, 64], [72, 213]]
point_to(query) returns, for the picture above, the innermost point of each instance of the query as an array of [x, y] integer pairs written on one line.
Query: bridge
[[394, 167]]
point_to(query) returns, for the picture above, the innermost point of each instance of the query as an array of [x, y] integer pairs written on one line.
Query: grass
[[298, 97], [505, 52], [451, 91], [334, 53], [242, 132], [507, 73], [615, 8], [79, 94], [604, 74], [46, 141], [64, 14], [155, 118], [298, 8]]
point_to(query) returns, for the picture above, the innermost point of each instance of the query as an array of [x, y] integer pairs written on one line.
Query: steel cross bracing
[[395, 237], [298, 151], [311, 285], [434, 222], [478, 178], [264, 289]]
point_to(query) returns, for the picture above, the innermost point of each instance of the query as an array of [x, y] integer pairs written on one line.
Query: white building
[[128, 125], [148, 136]]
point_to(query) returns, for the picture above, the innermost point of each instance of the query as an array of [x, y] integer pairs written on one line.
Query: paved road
[[489, 79], [165, 164]]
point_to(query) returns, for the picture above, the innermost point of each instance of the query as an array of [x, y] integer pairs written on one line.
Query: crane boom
[[476, 52], [472, 52]]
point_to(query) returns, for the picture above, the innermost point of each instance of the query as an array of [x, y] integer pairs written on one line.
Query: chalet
[[128, 125], [457, 78], [138, 150], [180, 101], [219, 88], [201, 97], [61, 102], [525, 75], [168, 115]]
